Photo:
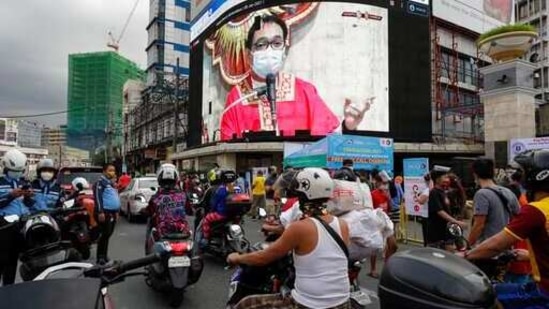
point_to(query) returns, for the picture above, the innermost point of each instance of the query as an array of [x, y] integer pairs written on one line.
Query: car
[[136, 196], [67, 174]]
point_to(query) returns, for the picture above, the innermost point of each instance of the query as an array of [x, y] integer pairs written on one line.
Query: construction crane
[[114, 43]]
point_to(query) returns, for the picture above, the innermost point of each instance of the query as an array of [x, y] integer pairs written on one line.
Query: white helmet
[[167, 171], [14, 160], [312, 184], [80, 180]]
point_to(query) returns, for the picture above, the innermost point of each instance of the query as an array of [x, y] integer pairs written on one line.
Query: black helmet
[[227, 176], [345, 174], [535, 167]]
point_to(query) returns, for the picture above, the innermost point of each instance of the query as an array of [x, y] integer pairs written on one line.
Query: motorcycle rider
[[107, 205], [15, 198], [47, 192], [530, 224], [218, 203], [167, 206], [320, 261]]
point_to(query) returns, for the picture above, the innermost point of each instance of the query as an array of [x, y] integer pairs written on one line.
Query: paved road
[[210, 292]]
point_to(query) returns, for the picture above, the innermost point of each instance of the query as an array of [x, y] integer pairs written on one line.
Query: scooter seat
[[177, 236]]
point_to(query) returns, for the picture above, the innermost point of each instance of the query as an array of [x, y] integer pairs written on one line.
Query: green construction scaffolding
[[95, 97]]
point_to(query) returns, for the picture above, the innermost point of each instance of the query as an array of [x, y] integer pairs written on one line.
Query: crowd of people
[[320, 227]]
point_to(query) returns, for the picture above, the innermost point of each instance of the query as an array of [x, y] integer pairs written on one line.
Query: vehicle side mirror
[[153, 188]]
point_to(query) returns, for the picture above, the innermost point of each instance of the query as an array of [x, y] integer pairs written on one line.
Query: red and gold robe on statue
[[298, 105]]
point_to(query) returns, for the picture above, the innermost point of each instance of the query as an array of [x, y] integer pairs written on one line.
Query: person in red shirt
[[124, 181], [381, 198], [530, 225]]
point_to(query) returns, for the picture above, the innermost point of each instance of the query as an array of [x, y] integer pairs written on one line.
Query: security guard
[[15, 198], [47, 192]]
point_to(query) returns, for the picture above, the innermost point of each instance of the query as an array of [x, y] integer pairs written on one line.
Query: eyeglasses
[[263, 45]]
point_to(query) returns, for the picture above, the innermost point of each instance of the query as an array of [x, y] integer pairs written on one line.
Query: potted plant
[[507, 42]]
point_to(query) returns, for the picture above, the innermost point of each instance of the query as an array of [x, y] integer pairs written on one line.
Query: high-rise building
[[95, 98], [29, 134], [54, 136], [169, 34]]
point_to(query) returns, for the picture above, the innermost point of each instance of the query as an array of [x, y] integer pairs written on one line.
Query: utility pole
[[108, 141], [176, 107], [60, 155]]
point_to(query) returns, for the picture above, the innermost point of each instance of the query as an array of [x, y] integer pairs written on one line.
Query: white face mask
[[14, 175], [46, 176], [268, 61]]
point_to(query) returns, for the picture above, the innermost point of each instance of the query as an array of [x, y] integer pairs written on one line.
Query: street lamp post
[[176, 106]]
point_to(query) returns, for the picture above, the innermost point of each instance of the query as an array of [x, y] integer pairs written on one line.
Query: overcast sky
[[37, 37]]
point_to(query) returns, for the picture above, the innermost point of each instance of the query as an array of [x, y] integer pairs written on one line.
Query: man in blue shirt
[[47, 192], [15, 197], [107, 205]]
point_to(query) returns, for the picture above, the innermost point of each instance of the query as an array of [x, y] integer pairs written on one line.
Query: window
[[187, 15]]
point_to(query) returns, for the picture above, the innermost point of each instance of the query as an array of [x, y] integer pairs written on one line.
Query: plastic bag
[[348, 196], [366, 233]]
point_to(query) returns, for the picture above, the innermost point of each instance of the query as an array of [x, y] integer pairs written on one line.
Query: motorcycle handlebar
[[135, 264]]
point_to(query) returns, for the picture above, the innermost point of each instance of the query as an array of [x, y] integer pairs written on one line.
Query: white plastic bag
[[365, 232], [348, 196]]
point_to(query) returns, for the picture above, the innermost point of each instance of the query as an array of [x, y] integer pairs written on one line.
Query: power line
[[42, 114]]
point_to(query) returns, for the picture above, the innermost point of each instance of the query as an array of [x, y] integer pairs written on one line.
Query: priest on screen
[[298, 104]]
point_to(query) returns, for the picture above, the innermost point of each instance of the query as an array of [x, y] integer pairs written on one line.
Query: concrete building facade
[[30, 134], [54, 136]]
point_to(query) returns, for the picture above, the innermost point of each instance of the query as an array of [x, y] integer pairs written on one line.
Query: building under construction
[[95, 98], [458, 115]]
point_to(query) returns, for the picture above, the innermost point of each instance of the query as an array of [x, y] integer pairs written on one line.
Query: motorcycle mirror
[[262, 213], [153, 188], [11, 218], [68, 204], [455, 230]]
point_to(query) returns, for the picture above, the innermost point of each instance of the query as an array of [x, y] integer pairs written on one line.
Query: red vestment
[[299, 107]]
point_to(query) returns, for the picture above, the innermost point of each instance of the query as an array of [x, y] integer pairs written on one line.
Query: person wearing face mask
[[15, 198], [298, 105], [439, 210], [47, 192], [107, 206]]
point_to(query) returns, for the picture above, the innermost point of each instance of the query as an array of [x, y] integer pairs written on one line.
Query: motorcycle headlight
[[235, 231]]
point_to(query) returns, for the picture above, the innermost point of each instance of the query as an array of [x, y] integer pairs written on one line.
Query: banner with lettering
[[414, 185]]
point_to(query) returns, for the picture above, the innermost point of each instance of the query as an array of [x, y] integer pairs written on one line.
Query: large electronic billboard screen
[[316, 80], [359, 67]]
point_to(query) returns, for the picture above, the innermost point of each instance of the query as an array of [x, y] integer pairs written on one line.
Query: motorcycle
[[227, 236], [277, 277], [494, 268], [43, 246], [172, 274], [453, 282], [74, 225], [73, 285]]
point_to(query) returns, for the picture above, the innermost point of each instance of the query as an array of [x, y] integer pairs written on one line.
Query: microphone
[[271, 97], [256, 92]]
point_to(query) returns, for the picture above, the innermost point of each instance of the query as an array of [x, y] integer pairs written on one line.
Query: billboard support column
[[509, 105]]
